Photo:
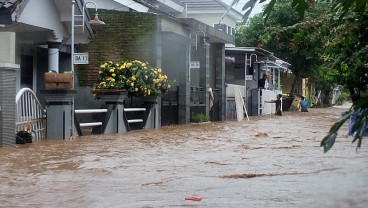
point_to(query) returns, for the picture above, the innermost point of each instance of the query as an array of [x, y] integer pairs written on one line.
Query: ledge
[[9, 66]]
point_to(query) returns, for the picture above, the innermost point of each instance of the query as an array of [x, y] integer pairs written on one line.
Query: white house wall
[[47, 17], [168, 25], [211, 19]]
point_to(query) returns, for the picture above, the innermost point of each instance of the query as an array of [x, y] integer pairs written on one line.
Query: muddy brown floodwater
[[268, 161]]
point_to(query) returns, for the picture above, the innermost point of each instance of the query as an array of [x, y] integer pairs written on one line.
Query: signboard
[[195, 65], [80, 58], [248, 77]]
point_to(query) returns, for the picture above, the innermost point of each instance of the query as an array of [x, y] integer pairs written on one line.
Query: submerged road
[[268, 161]]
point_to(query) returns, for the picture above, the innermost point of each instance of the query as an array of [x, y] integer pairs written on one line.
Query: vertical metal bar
[[72, 62], [245, 75]]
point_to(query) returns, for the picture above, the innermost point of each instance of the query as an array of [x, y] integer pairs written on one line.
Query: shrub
[[137, 77], [199, 117]]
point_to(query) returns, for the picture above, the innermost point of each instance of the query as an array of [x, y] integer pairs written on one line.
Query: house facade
[[36, 38], [177, 36], [244, 67], [180, 37]]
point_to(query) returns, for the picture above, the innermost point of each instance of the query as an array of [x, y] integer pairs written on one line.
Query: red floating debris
[[193, 198]]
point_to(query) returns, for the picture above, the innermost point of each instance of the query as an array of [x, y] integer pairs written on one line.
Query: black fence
[[170, 107]]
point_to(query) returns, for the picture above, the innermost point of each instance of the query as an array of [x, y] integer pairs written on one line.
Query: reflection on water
[[265, 162]]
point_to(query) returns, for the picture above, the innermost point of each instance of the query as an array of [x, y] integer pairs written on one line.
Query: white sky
[[257, 9]]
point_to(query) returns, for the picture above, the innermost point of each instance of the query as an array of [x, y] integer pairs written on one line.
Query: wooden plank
[[239, 107]]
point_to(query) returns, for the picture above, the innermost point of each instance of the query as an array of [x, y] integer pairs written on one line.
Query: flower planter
[[111, 95], [150, 98], [56, 81]]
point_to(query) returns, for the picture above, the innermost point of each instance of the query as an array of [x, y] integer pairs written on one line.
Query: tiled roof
[[8, 3]]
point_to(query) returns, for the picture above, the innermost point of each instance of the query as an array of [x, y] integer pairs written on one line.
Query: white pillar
[[54, 48]]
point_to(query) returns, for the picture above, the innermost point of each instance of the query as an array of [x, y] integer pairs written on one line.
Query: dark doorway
[[169, 107], [26, 71]]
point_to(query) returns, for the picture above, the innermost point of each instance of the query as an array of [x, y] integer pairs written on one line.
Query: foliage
[[278, 35], [340, 7], [248, 35], [199, 117], [247, 6], [360, 109], [138, 78], [343, 97], [333, 37]]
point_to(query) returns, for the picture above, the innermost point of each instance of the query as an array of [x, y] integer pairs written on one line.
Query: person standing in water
[[303, 105], [278, 110]]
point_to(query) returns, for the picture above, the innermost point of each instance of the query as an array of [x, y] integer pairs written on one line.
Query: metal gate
[[30, 113], [169, 107]]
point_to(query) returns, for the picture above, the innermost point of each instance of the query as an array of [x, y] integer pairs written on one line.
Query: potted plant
[[134, 77]]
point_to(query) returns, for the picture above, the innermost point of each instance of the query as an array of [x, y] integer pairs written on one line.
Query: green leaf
[[360, 132], [328, 141], [268, 9], [341, 121], [234, 2], [249, 5], [246, 15]]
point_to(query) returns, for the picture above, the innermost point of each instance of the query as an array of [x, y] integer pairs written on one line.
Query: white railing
[[30, 112]]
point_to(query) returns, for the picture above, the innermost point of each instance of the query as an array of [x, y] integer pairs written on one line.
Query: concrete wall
[[126, 35], [7, 88], [175, 65]]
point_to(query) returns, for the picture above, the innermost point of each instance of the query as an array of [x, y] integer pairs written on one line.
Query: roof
[[271, 59], [202, 6], [8, 3]]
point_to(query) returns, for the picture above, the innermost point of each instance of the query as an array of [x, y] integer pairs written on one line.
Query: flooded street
[[268, 161]]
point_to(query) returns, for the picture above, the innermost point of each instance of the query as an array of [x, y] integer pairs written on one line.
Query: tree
[[280, 35], [345, 56]]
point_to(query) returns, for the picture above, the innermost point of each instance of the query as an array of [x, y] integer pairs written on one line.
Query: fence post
[[59, 113]]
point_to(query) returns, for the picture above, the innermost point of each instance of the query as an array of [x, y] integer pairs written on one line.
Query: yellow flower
[[136, 89], [132, 84], [128, 65], [113, 75], [100, 72], [148, 92], [159, 70], [133, 78], [111, 70]]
